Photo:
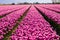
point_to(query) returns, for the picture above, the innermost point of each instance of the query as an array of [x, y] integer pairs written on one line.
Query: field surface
[[30, 22]]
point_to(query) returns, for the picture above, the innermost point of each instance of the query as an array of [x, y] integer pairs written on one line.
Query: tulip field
[[30, 22]]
